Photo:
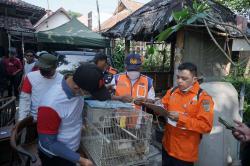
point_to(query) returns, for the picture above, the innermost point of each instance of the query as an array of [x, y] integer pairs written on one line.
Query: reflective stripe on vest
[[124, 86]]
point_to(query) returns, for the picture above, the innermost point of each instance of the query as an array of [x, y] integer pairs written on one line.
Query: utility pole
[[48, 4], [98, 13]]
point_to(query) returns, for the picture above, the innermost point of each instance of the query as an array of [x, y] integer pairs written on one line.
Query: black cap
[[47, 61], [90, 78]]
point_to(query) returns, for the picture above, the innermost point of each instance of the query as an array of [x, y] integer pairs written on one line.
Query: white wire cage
[[117, 137]]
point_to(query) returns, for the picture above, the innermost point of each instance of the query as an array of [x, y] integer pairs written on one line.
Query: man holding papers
[[190, 114]]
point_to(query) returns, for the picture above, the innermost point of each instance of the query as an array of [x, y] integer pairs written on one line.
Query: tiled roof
[[16, 24], [130, 7], [21, 4], [114, 19]]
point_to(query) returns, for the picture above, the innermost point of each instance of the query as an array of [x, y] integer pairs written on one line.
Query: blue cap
[[133, 62]]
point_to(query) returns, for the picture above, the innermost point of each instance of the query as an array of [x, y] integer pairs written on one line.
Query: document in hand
[[158, 110]]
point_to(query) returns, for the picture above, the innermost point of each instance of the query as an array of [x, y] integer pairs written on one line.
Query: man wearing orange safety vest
[[190, 114], [132, 85]]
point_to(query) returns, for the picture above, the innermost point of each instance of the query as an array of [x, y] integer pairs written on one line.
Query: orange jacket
[[139, 89], [195, 119]]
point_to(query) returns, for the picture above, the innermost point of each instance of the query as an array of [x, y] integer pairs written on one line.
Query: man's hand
[[173, 115], [85, 162], [16, 72], [241, 132], [126, 99], [141, 100], [158, 102]]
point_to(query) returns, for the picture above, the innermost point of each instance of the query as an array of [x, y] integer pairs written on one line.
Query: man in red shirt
[[13, 67]]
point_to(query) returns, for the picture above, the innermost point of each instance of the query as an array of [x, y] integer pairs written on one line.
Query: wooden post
[[178, 52], [127, 47], [172, 55], [112, 45]]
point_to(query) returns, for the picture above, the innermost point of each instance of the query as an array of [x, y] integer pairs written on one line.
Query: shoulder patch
[[206, 105]]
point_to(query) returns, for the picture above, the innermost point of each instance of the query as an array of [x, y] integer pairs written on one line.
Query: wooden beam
[[172, 55], [178, 52], [127, 47]]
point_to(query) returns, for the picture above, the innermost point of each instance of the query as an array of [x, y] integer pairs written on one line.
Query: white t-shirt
[[28, 67]]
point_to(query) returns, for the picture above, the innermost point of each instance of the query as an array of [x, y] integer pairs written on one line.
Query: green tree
[[241, 6], [73, 14], [119, 55]]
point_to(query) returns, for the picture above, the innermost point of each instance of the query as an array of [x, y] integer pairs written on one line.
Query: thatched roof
[[155, 16]]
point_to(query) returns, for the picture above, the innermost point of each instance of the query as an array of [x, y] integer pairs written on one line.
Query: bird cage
[[116, 136]]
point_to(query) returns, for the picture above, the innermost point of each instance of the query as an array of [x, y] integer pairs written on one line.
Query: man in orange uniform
[[132, 85], [190, 115]]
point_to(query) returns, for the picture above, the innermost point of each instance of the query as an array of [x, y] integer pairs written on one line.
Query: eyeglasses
[[29, 55]]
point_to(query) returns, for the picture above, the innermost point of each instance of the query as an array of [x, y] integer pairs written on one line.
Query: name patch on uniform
[[206, 105]]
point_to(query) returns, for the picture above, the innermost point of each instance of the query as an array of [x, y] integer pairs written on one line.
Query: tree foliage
[[187, 16], [119, 55], [157, 58], [73, 14], [240, 6]]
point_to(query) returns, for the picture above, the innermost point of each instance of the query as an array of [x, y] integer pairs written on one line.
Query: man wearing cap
[[132, 85], [36, 84], [59, 120]]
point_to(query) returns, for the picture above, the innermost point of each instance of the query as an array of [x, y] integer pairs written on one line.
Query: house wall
[[201, 50], [53, 22]]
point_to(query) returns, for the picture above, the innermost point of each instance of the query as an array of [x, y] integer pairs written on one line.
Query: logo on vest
[[133, 61], [206, 105]]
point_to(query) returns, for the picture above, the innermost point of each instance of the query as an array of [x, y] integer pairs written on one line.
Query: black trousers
[[14, 82], [53, 161], [171, 161]]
